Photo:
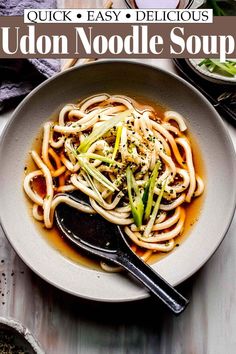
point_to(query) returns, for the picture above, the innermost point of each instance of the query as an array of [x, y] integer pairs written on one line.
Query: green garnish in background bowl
[[227, 68]]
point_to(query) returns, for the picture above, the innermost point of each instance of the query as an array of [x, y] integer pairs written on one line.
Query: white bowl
[[210, 76], [122, 77], [20, 335]]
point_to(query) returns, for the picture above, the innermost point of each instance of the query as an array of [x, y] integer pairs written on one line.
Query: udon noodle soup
[[136, 168]]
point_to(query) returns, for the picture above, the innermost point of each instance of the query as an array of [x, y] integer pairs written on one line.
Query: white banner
[[118, 16]]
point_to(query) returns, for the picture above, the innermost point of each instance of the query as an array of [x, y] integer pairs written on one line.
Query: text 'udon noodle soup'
[[136, 168]]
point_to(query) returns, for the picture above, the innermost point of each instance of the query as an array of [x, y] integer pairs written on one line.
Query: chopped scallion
[[136, 203], [152, 219], [101, 158], [227, 68], [92, 185], [102, 130], [145, 193], [117, 142], [152, 183], [93, 172]]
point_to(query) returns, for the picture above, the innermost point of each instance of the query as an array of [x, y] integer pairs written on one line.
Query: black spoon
[[97, 236]]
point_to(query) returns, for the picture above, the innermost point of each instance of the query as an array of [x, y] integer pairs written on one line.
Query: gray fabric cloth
[[19, 76], [16, 7]]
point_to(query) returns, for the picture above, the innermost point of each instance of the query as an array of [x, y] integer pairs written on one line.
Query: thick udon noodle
[[74, 156]]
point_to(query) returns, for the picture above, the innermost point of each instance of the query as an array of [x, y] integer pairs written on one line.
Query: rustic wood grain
[[67, 325]]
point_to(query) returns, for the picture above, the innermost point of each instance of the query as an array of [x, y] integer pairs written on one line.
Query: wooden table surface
[[67, 325]]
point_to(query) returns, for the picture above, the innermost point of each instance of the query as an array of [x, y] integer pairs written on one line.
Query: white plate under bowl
[[207, 75], [121, 77]]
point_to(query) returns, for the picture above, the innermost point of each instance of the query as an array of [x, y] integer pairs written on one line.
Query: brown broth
[[39, 186], [193, 210], [56, 240], [144, 103]]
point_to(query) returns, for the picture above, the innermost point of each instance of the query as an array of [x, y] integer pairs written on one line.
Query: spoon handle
[[154, 282]]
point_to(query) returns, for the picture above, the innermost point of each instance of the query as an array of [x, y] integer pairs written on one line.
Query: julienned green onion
[[101, 158], [117, 142], [152, 183], [152, 219], [92, 185], [145, 193], [102, 130], [214, 65], [93, 172], [136, 203]]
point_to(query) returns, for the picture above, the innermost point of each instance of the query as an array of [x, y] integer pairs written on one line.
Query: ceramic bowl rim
[[183, 82], [23, 331]]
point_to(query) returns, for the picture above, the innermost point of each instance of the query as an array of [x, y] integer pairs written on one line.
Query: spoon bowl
[[97, 236]]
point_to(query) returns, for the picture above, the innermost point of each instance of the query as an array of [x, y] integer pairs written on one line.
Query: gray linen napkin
[[19, 76]]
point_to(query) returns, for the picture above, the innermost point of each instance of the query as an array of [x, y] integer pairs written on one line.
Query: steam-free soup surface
[[67, 250]]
